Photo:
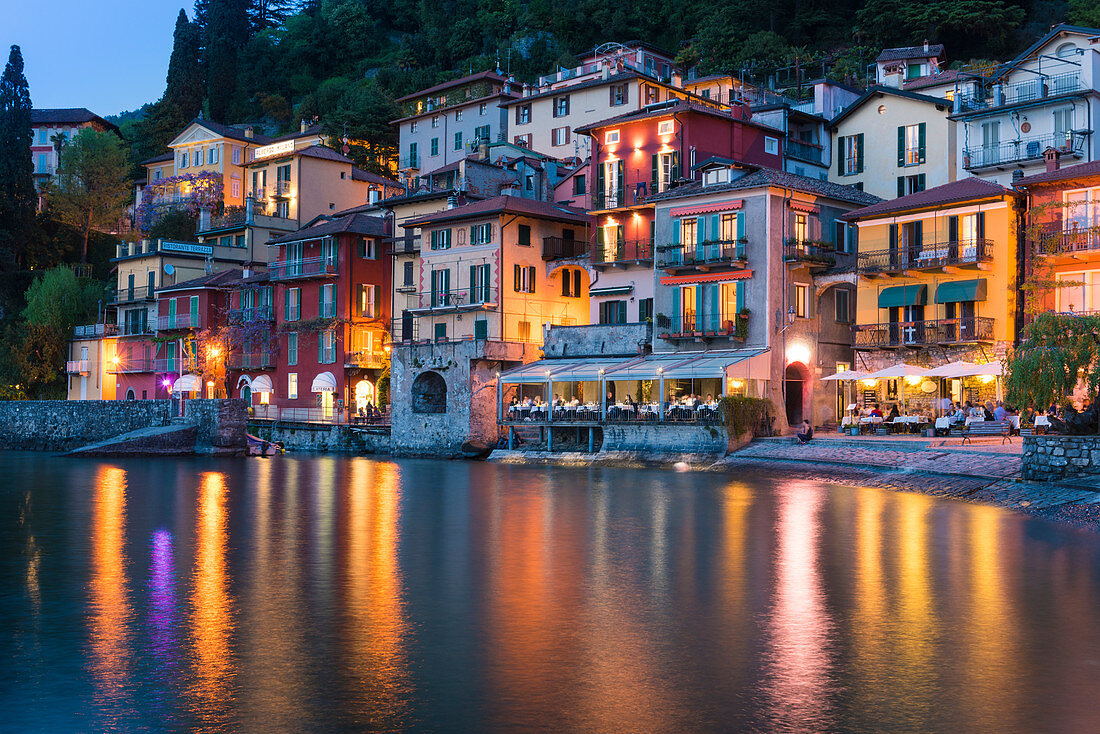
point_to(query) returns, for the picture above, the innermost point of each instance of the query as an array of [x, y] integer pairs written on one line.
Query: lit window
[[664, 127], [611, 136]]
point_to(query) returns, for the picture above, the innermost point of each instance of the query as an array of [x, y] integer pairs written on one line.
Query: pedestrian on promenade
[[805, 433]]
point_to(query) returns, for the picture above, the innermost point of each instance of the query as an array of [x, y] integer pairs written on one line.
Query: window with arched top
[[1066, 49], [429, 393]]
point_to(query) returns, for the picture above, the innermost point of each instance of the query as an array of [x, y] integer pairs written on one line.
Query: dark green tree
[[18, 199], [183, 92], [227, 32]]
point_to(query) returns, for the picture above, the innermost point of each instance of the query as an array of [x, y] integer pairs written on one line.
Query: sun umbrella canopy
[[262, 384], [847, 375], [899, 370], [187, 383], [965, 369], [324, 382]]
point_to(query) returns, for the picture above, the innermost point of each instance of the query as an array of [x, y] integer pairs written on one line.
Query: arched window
[[1066, 49], [429, 393], [130, 394]]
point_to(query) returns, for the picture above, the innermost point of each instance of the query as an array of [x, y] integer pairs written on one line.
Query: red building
[[649, 151], [332, 310]]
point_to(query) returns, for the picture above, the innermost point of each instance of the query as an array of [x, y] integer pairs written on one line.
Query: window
[[481, 234], [652, 94], [524, 279], [183, 160], [716, 176], [236, 156], [326, 346], [687, 230], [523, 114], [665, 170], [458, 140], [914, 71], [412, 126], [561, 106], [479, 283], [620, 94], [441, 287], [1063, 125], [910, 184], [645, 310], [840, 236], [483, 109], [571, 282], [801, 300], [212, 155], [159, 174], [578, 185], [435, 146], [435, 120], [529, 182], [559, 136], [282, 209], [991, 134], [771, 145], [292, 385], [1066, 49], [196, 157], [412, 155], [613, 312], [441, 332], [911, 144], [458, 115], [440, 239], [524, 235], [523, 141], [326, 301], [292, 304], [482, 134], [235, 187], [367, 249], [408, 274], [843, 305], [292, 348], [728, 226], [850, 154], [665, 127], [800, 227], [610, 137], [41, 163]]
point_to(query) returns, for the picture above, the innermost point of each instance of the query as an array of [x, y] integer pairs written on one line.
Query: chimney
[[926, 45], [246, 273], [1053, 159], [304, 126], [249, 209], [249, 132]]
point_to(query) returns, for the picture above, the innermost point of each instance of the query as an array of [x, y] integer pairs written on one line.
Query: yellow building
[[91, 354], [937, 277]]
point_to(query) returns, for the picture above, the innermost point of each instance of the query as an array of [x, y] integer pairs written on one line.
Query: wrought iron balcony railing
[[889, 335], [711, 252], [558, 248], [306, 268], [916, 257], [626, 251]]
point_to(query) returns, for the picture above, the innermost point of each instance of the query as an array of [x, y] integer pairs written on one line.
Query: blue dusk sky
[[108, 56]]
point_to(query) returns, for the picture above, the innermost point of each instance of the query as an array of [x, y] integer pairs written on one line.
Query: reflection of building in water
[[109, 589], [211, 615]]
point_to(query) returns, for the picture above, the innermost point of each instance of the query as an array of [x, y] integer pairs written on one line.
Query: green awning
[[903, 295], [961, 290]]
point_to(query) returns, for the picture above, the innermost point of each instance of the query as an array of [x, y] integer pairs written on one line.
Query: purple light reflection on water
[[162, 594]]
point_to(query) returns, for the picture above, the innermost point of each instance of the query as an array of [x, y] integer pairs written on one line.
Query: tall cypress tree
[[184, 88], [18, 198], [227, 31]]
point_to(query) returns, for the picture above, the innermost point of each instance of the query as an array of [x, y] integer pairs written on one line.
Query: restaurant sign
[[170, 246]]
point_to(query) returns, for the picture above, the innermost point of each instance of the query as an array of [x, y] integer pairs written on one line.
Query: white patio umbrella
[[899, 370], [847, 375]]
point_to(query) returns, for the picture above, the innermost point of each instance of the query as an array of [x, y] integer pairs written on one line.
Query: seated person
[[999, 413], [894, 413], [987, 411], [630, 401], [876, 412], [805, 433], [959, 416]]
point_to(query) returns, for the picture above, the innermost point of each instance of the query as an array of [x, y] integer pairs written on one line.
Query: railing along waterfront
[[959, 252], [929, 332]]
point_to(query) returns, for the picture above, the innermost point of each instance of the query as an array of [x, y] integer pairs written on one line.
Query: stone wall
[[318, 437], [58, 425], [1050, 458], [599, 340], [665, 438], [221, 424]]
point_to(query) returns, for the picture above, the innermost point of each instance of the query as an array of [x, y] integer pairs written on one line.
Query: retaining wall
[[665, 438], [59, 425], [221, 424], [318, 437], [1050, 458]]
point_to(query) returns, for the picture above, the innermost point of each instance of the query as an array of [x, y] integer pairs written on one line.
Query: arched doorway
[[130, 395], [795, 379], [429, 393], [364, 393], [246, 395]]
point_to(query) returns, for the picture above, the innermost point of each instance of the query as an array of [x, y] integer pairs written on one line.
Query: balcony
[[259, 193], [406, 245], [179, 321], [281, 190], [409, 161], [251, 313], [704, 326], [922, 257], [366, 359], [814, 254], [311, 267], [94, 331], [1069, 241], [477, 298], [261, 360], [140, 328], [702, 256], [621, 254], [933, 332], [619, 200], [129, 365], [557, 248], [133, 295], [1028, 91], [1022, 150], [78, 367], [809, 152]]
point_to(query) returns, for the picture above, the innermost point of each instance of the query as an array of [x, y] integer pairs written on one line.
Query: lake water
[[336, 593]]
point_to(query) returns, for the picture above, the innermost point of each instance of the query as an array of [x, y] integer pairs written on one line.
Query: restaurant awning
[[262, 384], [187, 383], [710, 363], [671, 365], [903, 295], [706, 277], [611, 290], [560, 370], [961, 290], [324, 382]]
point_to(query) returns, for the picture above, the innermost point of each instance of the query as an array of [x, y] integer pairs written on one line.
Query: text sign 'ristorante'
[[186, 247]]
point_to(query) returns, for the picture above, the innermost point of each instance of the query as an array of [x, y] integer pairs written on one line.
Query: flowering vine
[[197, 191]]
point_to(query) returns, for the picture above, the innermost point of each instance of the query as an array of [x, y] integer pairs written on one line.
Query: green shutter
[[698, 308], [901, 146], [712, 303], [481, 329], [194, 311], [893, 236], [601, 185], [840, 156], [715, 227], [171, 313], [859, 153], [286, 305], [740, 297], [675, 165], [700, 236], [918, 227], [675, 318], [622, 312], [920, 181], [675, 231], [981, 225], [920, 142], [901, 186], [953, 229], [655, 178], [619, 164]]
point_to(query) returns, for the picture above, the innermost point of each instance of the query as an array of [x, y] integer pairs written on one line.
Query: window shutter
[[901, 186], [953, 229], [981, 225], [901, 146], [700, 235], [565, 283], [675, 165], [619, 164], [675, 231], [601, 182], [531, 279], [515, 278], [859, 153], [920, 180], [893, 237], [711, 302], [321, 347], [918, 233], [577, 283], [791, 295], [840, 156], [698, 308], [715, 229], [920, 142], [675, 319], [656, 175], [740, 297], [286, 305], [740, 225], [626, 93], [611, 95]]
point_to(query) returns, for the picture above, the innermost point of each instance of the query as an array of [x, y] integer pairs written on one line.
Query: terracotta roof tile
[[967, 189]]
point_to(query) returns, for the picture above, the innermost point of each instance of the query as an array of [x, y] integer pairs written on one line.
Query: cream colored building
[[91, 353], [299, 184], [892, 143]]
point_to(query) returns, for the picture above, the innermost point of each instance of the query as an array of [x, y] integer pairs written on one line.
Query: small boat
[[259, 447]]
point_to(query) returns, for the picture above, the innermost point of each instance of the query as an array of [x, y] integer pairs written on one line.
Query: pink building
[[48, 126]]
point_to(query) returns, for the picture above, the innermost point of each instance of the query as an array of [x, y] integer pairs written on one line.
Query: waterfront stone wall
[[325, 438], [59, 425], [665, 438], [221, 424], [1050, 458]]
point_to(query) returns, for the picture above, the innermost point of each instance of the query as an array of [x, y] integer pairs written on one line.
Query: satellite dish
[[169, 268]]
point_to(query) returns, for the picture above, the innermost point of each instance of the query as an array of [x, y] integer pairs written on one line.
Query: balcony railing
[[179, 321], [251, 313], [132, 295], [230, 219], [459, 299], [810, 253], [77, 367], [405, 329], [139, 328], [930, 332], [92, 331], [810, 152], [1023, 149], [557, 248], [716, 252], [623, 252], [409, 161], [281, 190], [305, 268], [706, 325], [1026, 91], [407, 245], [260, 360], [1069, 241], [916, 257], [615, 199], [126, 365], [260, 193], [366, 359]]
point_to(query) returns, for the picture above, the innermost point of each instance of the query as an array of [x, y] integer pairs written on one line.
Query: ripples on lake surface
[[326, 593]]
